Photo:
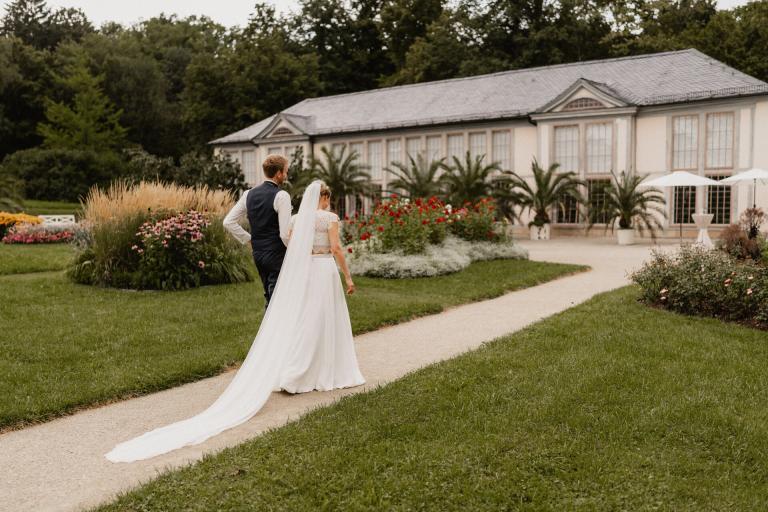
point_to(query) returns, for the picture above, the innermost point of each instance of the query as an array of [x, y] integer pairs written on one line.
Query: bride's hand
[[350, 287]]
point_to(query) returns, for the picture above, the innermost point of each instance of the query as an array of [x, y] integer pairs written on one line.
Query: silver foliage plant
[[451, 256]]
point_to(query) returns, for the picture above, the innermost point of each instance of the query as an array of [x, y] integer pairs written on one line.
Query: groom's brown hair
[[273, 164]]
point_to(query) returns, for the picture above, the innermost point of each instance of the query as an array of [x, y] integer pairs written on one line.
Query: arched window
[[282, 131], [583, 104]]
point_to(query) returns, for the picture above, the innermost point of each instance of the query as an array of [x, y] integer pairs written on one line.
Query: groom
[[268, 210]]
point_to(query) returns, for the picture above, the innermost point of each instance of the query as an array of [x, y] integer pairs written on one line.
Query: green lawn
[[20, 259], [34, 207], [65, 346], [608, 406]]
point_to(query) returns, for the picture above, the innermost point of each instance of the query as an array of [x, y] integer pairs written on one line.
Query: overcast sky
[[226, 12]]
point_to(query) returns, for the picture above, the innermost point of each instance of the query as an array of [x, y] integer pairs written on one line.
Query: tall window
[[719, 201], [394, 151], [685, 142], [596, 193], [720, 140], [567, 210], [501, 149], [249, 167], [477, 145], [599, 147], [684, 205], [275, 150], [357, 147], [433, 148], [567, 147], [336, 148], [375, 160], [455, 147], [413, 147]]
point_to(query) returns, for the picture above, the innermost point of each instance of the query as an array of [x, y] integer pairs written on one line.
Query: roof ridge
[[498, 73]]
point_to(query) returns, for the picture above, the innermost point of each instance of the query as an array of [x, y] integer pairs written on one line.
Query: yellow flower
[[10, 219]]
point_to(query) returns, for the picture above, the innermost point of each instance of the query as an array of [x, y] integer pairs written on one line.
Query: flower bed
[[452, 255], [38, 234], [696, 281], [157, 236], [8, 220], [424, 238]]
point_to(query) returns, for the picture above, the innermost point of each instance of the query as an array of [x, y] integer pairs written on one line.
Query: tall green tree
[[37, 25], [89, 121]]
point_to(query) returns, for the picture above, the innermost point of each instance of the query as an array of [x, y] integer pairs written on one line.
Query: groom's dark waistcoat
[[262, 217]]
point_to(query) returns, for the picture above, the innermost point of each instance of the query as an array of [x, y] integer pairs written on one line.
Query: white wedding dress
[[304, 342]]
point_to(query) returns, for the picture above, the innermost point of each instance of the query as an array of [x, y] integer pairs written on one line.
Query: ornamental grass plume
[[126, 199]]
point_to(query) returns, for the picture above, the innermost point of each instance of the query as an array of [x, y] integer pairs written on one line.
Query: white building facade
[[650, 115]]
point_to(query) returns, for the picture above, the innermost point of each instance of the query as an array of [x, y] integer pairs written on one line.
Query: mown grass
[[66, 346], [607, 406], [35, 207], [21, 259]]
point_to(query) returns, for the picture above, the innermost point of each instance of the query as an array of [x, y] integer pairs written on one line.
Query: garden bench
[[58, 220]]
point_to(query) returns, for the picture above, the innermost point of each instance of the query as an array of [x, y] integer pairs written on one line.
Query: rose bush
[[409, 227], [696, 281]]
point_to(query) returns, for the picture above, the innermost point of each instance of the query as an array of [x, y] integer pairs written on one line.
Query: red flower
[[365, 236], [349, 250], [425, 221], [440, 220], [380, 228]]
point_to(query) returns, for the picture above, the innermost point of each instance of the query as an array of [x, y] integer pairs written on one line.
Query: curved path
[[60, 465]]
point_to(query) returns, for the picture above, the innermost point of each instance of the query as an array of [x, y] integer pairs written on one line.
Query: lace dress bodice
[[323, 220]]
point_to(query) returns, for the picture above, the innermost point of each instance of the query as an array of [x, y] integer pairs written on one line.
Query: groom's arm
[[284, 210], [233, 218]]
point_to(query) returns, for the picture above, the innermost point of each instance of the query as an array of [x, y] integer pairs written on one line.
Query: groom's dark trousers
[[268, 248]]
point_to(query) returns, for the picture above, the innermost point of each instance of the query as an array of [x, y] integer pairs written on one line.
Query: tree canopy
[[174, 84]]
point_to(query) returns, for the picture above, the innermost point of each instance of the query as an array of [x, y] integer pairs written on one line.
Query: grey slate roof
[[661, 78]]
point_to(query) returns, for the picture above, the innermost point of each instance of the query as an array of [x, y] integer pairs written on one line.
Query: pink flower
[[749, 291], [201, 264]]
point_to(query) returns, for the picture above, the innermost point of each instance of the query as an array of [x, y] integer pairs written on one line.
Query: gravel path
[[60, 465]]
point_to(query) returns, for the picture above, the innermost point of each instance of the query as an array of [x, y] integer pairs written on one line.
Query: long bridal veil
[[260, 373]]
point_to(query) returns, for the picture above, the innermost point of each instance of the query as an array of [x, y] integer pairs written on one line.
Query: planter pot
[[540, 232], [626, 236]]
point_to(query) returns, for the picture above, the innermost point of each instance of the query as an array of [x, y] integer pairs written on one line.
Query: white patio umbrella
[[751, 175], [680, 179]]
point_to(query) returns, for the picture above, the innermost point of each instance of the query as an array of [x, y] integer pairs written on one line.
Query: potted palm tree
[[342, 174], [630, 206], [548, 190], [468, 179], [417, 178]]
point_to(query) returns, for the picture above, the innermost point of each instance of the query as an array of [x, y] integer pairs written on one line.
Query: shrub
[[735, 241], [61, 174], [400, 225], [476, 222], [451, 256], [156, 236], [696, 281], [38, 234], [218, 172]]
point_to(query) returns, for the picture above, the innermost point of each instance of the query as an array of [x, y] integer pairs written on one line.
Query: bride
[[304, 342]]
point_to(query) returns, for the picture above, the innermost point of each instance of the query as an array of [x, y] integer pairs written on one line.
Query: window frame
[[732, 115], [695, 164]]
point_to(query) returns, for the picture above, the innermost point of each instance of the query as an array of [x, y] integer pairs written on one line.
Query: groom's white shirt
[[282, 206]]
